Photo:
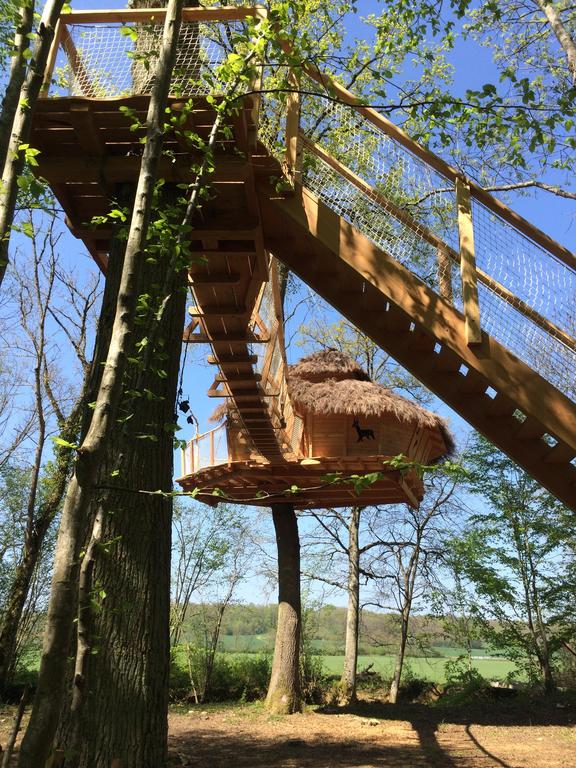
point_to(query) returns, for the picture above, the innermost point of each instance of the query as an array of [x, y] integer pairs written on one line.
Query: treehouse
[[347, 415], [343, 425], [464, 293]]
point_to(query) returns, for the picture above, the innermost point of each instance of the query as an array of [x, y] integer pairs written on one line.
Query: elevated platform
[[312, 483], [466, 295]]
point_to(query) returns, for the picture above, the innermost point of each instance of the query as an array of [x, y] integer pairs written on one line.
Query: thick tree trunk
[[348, 679], [284, 692], [93, 453], [123, 682]]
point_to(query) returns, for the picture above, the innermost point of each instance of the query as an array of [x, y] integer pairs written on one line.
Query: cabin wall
[[335, 435]]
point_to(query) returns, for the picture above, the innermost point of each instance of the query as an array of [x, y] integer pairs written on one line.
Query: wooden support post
[[50, 63], [445, 274], [191, 449], [183, 462], [212, 448], [468, 263], [293, 157]]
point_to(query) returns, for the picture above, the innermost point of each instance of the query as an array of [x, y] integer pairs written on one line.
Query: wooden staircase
[[89, 148], [494, 391]]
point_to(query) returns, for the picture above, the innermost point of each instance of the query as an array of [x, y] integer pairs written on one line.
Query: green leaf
[[64, 443]]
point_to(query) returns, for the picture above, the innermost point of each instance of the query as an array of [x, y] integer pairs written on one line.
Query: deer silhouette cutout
[[363, 434]]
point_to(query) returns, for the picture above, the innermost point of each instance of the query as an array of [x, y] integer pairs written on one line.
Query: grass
[[426, 668]]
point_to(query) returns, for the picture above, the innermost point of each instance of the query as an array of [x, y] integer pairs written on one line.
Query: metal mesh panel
[[113, 60]]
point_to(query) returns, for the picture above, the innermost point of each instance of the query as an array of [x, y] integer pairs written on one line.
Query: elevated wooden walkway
[[425, 281]]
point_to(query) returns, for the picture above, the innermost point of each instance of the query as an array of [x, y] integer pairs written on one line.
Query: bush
[[464, 683], [314, 680], [234, 677]]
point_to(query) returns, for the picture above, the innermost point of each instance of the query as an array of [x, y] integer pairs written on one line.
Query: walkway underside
[[311, 484]]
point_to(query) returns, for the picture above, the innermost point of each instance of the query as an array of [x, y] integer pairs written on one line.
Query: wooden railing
[[205, 450]]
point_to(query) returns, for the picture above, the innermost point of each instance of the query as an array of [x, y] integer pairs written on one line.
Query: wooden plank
[[228, 338], [51, 60], [216, 312], [293, 155], [63, 168], [239, 359], [468, 264], [85, 131], [157, 15], [216, 278]]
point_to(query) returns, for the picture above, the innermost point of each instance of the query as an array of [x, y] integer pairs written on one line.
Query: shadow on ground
[[377, 736]]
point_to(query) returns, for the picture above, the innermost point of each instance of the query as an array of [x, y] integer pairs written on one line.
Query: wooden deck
[[261, 484]]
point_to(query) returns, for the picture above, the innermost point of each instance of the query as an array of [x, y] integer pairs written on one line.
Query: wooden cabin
[[345, 414], [341, 423]]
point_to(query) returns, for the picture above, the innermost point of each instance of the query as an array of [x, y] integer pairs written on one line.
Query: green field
[[427, 668]]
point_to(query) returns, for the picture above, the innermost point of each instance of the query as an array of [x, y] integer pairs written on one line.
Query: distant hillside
[[252, 627]]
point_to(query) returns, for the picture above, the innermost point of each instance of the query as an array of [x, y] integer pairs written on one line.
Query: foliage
[[234, 677], [517, 562]]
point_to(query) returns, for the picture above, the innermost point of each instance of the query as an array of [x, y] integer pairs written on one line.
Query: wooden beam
[[217, 278], [85, 131], [157, 15], [228, 338], [215, 312], [468, 264], [293, 155], [51, 61], [239, 359]]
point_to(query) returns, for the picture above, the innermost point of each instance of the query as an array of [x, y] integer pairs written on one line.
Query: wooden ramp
[[498, 394]]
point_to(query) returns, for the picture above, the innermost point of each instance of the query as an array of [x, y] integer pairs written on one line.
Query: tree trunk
[[123, 681], [44, 517], [93, 453], [395, 685], [284, 692], [348, 679], [16, 79], [22, 125]]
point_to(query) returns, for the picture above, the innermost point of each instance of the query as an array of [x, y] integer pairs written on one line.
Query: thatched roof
[[328, 364], [330, 382]]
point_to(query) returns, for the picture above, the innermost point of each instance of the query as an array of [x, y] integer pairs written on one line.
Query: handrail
[[140, 16], [439, 165], [189, 463], [403, 216]]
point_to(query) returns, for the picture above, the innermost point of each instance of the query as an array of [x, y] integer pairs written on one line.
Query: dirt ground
[[372, 735]]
